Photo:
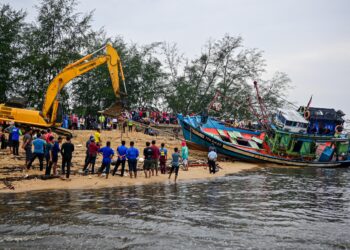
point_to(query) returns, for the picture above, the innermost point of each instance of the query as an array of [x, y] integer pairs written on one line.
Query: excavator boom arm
[[80, 67]]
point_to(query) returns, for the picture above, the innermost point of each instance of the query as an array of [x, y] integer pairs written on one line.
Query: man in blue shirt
[[121, 151], [107, 153], [175, 163], [39, 147], [132, 153], [54, 155], [16, 132]]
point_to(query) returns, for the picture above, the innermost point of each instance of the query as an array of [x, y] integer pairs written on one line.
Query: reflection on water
[[266, 208]]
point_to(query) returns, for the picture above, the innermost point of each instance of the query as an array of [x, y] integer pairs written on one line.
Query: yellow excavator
[[51, 114]]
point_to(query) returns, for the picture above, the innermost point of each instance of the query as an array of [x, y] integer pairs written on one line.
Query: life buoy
[[307, 114], [338, 128]]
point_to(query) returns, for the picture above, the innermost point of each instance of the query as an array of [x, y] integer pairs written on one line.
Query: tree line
[[157, 74]]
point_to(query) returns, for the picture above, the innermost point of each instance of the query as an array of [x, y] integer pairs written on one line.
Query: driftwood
[[8, 185], [27, 177]]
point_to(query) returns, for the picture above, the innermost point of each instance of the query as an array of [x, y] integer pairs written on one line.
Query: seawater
[[268, 208]]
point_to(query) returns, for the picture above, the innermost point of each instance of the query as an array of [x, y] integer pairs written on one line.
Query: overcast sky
[[307, 39]]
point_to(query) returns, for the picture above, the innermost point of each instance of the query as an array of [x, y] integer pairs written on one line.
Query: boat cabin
[[312, 147], [291, 121], [323, 121]]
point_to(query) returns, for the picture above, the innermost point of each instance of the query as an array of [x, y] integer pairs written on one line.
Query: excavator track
[[62, 131]]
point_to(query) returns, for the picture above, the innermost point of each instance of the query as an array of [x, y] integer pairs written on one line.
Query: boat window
[[289, 123], [297, 146], [243, 142], [281, 118], [224, 138]]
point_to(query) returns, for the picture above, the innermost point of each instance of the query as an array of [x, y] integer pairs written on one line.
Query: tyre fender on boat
[[338, 128], [307, 114]]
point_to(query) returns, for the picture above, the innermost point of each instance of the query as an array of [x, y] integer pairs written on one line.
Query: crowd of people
[[153, 158], [48, 148], [142, 115]]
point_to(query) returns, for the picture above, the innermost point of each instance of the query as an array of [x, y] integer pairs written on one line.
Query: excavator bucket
[[114, 110]]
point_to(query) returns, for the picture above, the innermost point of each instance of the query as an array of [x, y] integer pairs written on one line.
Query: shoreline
[[10, 166], [94, 182]]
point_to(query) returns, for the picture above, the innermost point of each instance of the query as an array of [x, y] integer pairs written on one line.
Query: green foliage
[[33, 54], [225, 66], [56, 39], [11, 25]]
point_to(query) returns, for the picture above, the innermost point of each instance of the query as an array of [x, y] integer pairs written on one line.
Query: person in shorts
[[175, 162], [147, 165], [54, 155]]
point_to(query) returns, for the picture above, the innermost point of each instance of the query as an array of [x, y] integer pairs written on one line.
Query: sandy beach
[[78, 181]]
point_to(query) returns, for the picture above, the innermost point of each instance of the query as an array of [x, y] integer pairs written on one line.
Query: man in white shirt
[[212, 156], [115, 123]]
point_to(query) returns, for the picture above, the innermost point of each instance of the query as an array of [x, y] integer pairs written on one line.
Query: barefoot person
[[132, 153], [147, 165], [175, 163], [212, 156], [163, 158], [107, 154], [184, 155], [66, 152], [54, 155]]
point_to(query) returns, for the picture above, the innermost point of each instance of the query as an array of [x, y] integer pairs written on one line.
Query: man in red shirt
[[155, 157], [93, 151], [48, 135]]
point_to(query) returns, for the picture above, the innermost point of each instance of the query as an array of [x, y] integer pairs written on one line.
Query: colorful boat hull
[[196, 135]]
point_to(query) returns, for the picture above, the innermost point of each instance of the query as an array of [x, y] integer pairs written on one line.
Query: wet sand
[[93, 181]]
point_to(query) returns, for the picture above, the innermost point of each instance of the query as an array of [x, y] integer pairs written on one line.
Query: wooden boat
[[275, 146]]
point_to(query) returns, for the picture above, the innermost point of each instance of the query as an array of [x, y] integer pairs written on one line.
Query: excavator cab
[[16, 102]]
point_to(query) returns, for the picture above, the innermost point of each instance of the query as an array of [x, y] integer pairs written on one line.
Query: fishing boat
[[286, 142]]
